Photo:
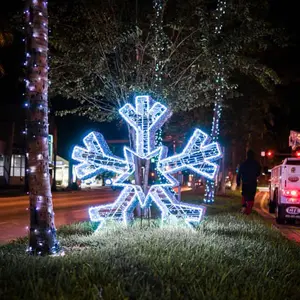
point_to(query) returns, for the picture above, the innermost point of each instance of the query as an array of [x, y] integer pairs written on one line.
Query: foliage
[[5, 39], [230, 256], [248, 120], [250, 117], [105, 175], [101, 57]]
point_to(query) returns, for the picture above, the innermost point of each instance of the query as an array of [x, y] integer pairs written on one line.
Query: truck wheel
[[279, 215], [291, 221], [273, 202]]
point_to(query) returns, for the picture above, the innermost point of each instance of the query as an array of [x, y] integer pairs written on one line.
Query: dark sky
[[71, 129], [287, 61]]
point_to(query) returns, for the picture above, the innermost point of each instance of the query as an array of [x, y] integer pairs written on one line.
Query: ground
[[69, 207], [230, 256], [291, 232]]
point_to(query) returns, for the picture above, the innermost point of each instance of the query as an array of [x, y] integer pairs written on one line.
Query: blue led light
[[146, 118]]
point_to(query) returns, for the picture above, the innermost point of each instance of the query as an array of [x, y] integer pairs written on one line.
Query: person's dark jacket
[[248, 174]]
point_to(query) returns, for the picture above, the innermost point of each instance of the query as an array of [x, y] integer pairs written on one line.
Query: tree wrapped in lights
[[42, 235], [109, 59], [146, 117], [209, 196], [102, 76], [160, 42]]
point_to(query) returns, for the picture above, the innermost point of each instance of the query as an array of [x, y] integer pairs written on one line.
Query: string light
[[145, 121], [146, 117], [160, 43], [219, 94], [42, 238]]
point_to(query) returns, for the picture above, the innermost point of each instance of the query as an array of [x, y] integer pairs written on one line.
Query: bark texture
[[42, 236]]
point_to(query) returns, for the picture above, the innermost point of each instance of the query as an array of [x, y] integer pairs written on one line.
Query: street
[[291, 232], [72, 206], [69, 207]]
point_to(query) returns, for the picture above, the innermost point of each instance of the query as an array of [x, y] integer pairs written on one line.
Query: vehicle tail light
[[291, 193]]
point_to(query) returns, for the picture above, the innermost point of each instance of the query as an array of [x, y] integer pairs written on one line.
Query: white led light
[[146, 118], [220, 83]]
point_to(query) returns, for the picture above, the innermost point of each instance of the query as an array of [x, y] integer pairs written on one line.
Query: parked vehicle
[[285, 191]]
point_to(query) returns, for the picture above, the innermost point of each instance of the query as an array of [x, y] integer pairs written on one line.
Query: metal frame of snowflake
[[146, 118]]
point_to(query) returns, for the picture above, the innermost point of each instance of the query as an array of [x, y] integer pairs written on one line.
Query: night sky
[[287, 61], [71, 129]]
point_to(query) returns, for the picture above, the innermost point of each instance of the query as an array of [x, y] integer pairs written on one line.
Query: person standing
[[248, 174]]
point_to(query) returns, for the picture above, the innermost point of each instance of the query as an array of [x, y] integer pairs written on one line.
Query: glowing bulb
[[197, 156]]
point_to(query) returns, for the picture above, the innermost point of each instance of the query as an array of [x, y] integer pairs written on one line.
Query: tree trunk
[[42, 237], [248, 143], [209, 196], [223, 188], [138, 168], [10, 150], [219, 94], [146, 182], [54, 187], [234, 165], [146, 176]]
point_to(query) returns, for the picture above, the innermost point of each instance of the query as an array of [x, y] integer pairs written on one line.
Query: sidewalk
[[261, 206]]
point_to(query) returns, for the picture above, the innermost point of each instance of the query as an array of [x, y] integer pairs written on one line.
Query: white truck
[[285, 191]]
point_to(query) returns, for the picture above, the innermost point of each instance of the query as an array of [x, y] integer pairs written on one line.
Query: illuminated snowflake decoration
[[146, 118]]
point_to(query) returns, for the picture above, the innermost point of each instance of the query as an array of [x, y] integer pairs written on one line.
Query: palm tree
[[42, 237]]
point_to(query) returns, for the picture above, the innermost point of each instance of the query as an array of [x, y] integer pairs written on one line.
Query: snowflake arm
[[170, 206], [196, 156], [146, 118], [97, 157], [121, 210]]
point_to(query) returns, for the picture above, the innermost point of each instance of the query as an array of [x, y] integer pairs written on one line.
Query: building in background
[[13, 151], [13, 167], [62, 172]]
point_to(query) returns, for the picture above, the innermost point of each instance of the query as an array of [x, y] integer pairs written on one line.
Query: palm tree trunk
[[42, 236]]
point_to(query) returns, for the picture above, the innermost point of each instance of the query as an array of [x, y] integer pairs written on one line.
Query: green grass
[[229, 256]]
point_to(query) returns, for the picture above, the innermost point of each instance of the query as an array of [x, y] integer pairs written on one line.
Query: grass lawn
[[230, 256]]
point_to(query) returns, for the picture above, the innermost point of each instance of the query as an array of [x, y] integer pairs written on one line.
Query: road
[[73, 207], [292, 232], [69, 207]]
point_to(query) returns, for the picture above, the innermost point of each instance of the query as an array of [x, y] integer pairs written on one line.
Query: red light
[[290, 193], [294, 193], [269, 153], [298, 153]]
